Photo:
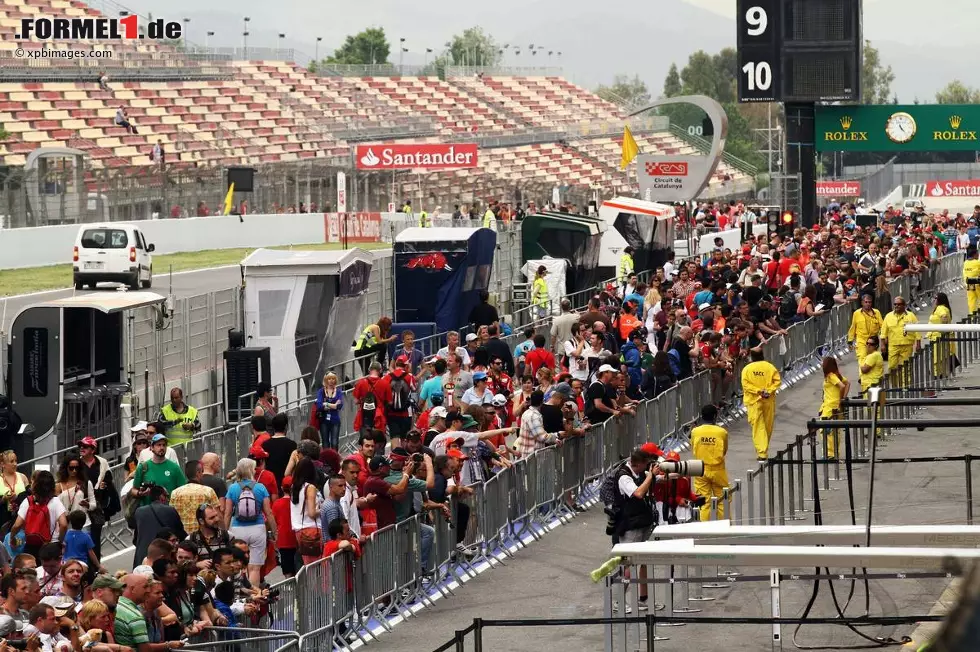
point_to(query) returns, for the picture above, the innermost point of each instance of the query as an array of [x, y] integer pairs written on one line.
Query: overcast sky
[[927, 43]]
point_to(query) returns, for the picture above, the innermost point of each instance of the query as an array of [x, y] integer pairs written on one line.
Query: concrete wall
[[52, 245]]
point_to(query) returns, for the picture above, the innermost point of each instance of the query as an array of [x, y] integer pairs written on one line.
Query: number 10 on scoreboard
[[759, 37]]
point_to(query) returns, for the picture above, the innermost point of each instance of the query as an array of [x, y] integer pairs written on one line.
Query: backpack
[[788, 307], [247, 507], [37, 524], [369, 405], [400, 394]]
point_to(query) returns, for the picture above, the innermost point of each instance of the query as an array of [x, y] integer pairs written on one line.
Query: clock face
[[901, 127]]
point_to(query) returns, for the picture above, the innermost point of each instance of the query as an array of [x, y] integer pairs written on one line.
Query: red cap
[[455, 452], [87, 441], [652, 449], [402, 359], [287, 482], [816, 227], [258, 453], [674, 456]]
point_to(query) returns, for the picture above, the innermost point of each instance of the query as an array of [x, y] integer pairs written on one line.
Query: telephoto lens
[[687, 468]]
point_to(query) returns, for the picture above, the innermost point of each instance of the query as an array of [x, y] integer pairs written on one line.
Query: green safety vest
[[366, 339], [625, 268], [176, 433], [539, 293], [424, 220]]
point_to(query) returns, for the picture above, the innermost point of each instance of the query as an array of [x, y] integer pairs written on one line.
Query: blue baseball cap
[[479, 375], [158, 437]]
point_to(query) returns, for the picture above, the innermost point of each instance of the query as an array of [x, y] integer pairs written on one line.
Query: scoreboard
[[799, 50]]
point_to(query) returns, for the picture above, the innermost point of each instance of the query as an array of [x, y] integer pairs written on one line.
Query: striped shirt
[[130, 626], [532, 434]]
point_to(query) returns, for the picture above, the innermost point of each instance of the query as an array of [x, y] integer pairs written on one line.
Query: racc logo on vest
[[846, 134], [955, 134]]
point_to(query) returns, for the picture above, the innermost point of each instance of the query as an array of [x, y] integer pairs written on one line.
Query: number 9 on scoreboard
[[759, 41]]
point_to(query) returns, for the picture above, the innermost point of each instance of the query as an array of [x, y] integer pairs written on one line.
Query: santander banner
[[838, 188], [411, 156], [953, 188]]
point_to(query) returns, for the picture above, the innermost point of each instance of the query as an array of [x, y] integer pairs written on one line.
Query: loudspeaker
[[245, 368], [242, 178]]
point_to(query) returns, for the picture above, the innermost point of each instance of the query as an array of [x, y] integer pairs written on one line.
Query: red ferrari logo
[[666, 169]]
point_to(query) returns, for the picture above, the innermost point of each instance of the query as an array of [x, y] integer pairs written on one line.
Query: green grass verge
[[53, 277]]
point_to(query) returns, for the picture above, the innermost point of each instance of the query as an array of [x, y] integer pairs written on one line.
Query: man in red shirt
[[368, 443], [263, 475], [385, 492], [538, 357], [395, 391], [369, 401], [500, 382]]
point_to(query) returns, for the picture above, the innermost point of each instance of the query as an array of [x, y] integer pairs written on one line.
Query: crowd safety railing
[[784, 487]]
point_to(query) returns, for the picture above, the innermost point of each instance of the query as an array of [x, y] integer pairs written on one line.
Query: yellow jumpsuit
[[872, 378], [900, 345], [941, 350], [971, 269], [709, 443], [758, 377], [833, 389], [863, 326]]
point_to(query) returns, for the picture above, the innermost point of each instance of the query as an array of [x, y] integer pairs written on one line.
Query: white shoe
[[627, 611]]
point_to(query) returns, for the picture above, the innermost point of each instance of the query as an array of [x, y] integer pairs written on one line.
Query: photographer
[[634, 506]]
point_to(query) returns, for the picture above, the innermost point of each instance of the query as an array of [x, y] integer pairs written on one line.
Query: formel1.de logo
[[101, 29]]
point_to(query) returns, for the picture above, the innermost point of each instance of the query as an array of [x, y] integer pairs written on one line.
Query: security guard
[[181, 419], [625, 268], [539, 293], [760, 381], [971, 269], [709, 443], [424, 220], [899, 344], [407, 207], [872, 366], [865, 323], [490, 218]]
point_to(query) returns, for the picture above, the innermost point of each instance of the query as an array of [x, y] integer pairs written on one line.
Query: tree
[[367, 47], [474, 48], [672, 85], [956, 92], [876, 79], [4, 134], [629, 93]]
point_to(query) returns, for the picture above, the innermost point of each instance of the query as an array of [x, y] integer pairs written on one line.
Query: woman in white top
[[12, 483], [304, 511], [74, 489]]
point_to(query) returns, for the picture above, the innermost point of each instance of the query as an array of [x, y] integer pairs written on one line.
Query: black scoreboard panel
[[759, 66], [799, 50]]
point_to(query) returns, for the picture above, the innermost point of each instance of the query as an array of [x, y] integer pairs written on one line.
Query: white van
[[114, 253]]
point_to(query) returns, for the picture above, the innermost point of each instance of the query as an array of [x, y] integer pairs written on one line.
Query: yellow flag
[[228, 198], [630, 150]]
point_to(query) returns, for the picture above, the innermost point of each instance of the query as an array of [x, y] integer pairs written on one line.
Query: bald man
[[682, 353], [130, 627], [211, 475]]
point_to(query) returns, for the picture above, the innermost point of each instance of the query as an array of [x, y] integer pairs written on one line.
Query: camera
[[687, 468], [418, 458]]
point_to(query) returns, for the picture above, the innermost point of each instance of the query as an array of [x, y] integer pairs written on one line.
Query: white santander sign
[[409, 156]]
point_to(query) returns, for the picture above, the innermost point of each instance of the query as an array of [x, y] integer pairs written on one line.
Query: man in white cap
[[45, 621], [600, 399]]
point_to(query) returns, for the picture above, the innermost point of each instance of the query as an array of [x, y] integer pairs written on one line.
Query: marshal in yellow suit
[[760, 380]]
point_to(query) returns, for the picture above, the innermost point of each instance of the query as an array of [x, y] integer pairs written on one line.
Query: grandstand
[[209, 110]]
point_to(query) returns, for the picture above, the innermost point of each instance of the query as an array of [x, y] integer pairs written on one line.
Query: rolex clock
[[900, 127]]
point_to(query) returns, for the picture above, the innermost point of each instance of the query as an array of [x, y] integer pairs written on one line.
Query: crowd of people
[[207, 538]]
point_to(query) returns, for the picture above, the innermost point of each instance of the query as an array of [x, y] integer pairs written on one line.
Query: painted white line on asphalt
[[155, 277]]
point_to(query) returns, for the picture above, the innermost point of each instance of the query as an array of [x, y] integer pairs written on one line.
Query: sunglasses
[[871, 343], [73, 467]]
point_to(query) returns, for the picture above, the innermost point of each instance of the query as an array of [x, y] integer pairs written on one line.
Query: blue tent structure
[[439, 273]]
